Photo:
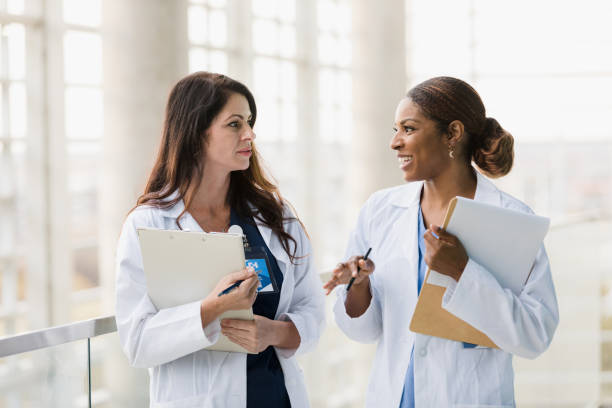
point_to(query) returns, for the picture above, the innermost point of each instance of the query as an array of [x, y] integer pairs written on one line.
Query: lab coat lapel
[[404, 236]]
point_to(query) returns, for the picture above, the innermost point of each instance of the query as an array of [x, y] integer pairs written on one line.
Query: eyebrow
[[239, 115], [407, 119]]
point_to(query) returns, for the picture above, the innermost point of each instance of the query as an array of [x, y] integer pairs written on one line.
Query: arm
[[358, 313], [150, 337], [523, 325]]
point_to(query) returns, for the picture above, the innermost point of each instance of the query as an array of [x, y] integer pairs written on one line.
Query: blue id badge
[[257, 258]]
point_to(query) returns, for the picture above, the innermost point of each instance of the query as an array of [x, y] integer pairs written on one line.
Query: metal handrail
[[53, 336]]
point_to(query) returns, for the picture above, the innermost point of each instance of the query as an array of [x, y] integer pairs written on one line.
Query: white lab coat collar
[[485, 192], [264, 230]]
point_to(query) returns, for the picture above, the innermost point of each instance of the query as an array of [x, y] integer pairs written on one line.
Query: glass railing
[[75, 365]]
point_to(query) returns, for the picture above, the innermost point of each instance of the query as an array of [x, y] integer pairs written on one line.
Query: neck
[[211, 195], [456, 180]]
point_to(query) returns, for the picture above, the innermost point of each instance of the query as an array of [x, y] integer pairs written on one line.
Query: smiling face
[[422, 149], [228, 146]]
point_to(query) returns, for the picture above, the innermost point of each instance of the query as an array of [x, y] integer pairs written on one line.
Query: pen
[[230, 287], [365, 258]]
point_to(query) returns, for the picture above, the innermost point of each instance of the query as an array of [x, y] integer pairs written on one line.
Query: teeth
[[404, 159]]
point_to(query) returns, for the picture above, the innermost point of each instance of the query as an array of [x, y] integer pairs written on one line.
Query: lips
[[404, 161]]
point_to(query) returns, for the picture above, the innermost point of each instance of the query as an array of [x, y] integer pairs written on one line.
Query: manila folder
[[503, 241]]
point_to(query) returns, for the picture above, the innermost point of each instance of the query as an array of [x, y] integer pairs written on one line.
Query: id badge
[[257, 258]]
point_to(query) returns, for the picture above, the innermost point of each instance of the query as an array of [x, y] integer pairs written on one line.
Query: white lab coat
[[445, 373], [170, 342]]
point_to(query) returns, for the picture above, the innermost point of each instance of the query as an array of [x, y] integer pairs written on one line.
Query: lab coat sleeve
[[366, 328], [150, 337], [307, 307], [523, 325]]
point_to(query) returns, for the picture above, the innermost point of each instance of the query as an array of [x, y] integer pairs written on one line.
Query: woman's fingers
[[241, 275]]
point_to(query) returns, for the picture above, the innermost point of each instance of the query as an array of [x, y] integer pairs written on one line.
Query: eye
[[234, 124], [394, 130], [408, 129], [251, 123]]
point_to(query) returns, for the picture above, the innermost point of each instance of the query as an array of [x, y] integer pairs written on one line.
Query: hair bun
[[494, 154]]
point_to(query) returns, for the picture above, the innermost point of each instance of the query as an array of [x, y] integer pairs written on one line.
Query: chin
[[410, 177]]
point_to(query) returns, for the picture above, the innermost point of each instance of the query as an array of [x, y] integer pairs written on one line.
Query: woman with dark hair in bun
[[444, 143]]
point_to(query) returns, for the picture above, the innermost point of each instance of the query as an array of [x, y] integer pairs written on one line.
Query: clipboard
[[184, 266], [504, 241]]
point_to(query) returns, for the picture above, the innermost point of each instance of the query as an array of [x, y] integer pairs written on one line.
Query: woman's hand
[[445, 255], [253, 335], [239, 298], [344, 271]]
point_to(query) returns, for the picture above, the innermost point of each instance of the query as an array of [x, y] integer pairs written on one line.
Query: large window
[[208, 35], [547, 81]]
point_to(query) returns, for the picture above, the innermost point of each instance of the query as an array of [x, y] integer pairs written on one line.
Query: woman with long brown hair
[[207, 176], [440, 129]]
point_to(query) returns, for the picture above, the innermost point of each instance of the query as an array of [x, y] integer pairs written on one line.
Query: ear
[[456, 131]]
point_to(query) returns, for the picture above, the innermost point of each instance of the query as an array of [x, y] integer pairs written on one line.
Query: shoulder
[[513, 203], [145, 216], [383, 201], [506, 200]]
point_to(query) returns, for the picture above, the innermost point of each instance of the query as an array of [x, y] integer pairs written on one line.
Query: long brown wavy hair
[[193, 104]]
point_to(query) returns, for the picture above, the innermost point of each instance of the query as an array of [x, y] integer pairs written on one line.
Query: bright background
[[83, 84]]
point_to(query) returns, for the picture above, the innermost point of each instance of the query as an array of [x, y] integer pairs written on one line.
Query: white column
[[145, 52], [379, 82]]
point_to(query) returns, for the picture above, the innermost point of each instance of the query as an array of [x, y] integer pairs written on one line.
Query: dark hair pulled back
[[446, 99]]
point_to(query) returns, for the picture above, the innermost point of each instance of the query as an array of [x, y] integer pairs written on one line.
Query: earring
[[451, 152]]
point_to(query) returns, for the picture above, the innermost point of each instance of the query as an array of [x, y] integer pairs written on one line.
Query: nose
[[249, 134], [396, 141]]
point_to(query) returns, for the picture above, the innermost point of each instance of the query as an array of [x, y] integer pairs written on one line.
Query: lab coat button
[[423, 352]]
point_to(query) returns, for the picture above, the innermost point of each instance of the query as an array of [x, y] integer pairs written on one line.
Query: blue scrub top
[[265, 379], [407, 400]]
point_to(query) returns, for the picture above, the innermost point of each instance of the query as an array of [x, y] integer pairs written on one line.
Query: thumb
[[441, 234], [243, 274]]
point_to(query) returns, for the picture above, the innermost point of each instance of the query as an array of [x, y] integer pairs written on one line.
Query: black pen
[[231, 287], [365, 258]]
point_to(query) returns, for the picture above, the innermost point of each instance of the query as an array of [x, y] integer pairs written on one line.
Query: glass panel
[[287, 41], [265, 36], [51, 377], [197, 24], [84, 113], [266, 74], [114, 383], [15, 6], [286, 10], [83, 12], [15, 41], [218, 62], [198, 58], [17, 110], [82, 58], [217, 3], [265, 8], [218, 28], [288, 120]]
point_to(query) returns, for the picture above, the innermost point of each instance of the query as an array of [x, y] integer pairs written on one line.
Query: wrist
[[362, 285], [210, 309]]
